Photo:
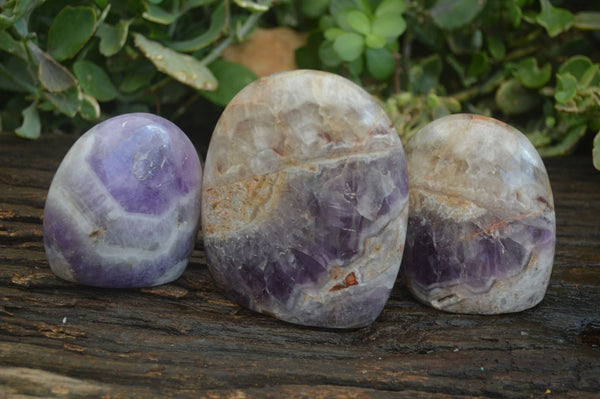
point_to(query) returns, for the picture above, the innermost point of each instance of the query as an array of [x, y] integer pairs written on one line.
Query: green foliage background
[[65, 65]]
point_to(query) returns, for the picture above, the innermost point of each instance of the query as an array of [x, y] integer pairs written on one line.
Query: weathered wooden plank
[[185, 339]]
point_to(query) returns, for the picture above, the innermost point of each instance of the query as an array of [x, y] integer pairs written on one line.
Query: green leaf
[[349, 46], [158, 14], [341, 19], [374, 40], [433, 101], [596, 151], [513, 11], [89, 108], [112, 38], [313, 8], [181, 67], [452, 14], [191, 4], [477, 39], [590, 77], [11, 113], [594, 123], [566, 87], [70, 30], [232, 78], [514, 99], [380, 63], [582, 68], [10, 45], [333, 33], [66, 102], [10, 16], [138, 77], [359, 21], [529, 16], [567, 144], [576, 66], [587, 20], [15, 76], [252, 6], [329, 57], [393, 46], [31, 127], [326, 22], [218, 23], [479, 64], [389, 26], [530, 75], [459, 68], [387, 7], [337, 6], [451, 105], [425, 76], [53, 76], [555, 20], [355, 68], [95, 81], [496, 47]]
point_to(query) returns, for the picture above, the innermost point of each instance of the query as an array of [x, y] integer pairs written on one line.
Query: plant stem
[[174, 10], [397, 72], [521, 52], [8, 75], [216, 52], [466, 94]]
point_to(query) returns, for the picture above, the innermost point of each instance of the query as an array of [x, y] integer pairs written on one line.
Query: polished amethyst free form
[[481, 228], [123, 208], [304, 202]]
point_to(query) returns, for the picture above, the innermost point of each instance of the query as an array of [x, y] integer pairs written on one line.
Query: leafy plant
[[530, 63], [63, 59], [357, 34]]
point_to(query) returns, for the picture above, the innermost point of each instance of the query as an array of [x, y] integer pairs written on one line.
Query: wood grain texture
[[185, 339]]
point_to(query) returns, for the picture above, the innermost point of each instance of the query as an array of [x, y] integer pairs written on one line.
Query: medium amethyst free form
[[481, 229], [304, 201], [123, 208]]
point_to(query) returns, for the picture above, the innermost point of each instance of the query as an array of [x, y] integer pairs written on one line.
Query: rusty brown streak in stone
[[329, 138], [96, 233], [349, 281]]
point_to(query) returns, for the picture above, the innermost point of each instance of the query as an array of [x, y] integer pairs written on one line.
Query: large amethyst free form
[[481, 228], [123, 209], [304, 200]]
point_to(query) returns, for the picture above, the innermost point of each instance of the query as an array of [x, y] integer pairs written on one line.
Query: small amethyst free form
[[481, 229], [304, 201], [123, 208]]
